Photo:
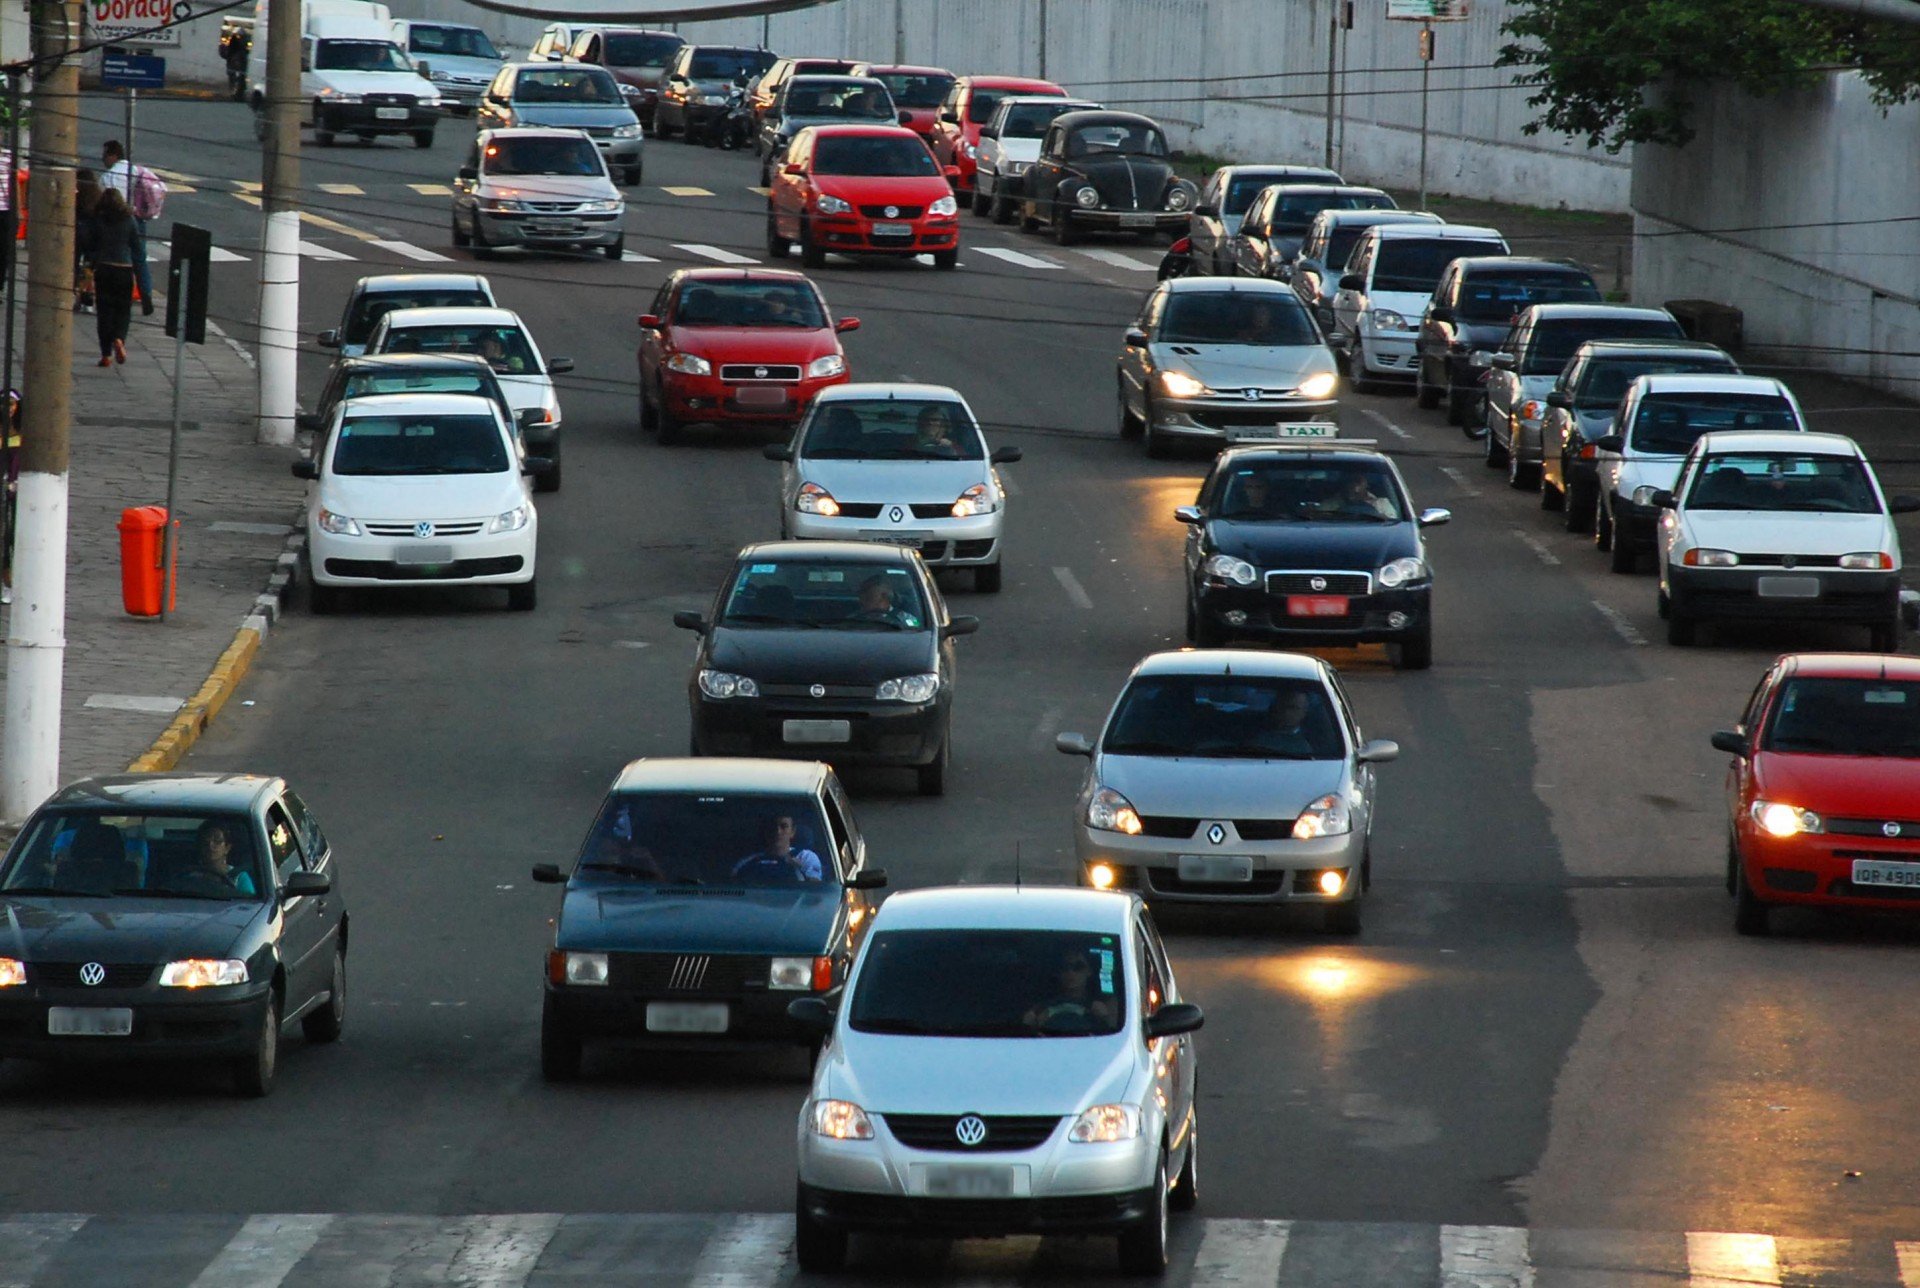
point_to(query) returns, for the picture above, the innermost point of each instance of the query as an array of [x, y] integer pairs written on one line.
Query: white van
[[353, 78]]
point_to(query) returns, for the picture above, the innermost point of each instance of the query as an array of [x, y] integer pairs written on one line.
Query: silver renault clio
[[1005, 1061]]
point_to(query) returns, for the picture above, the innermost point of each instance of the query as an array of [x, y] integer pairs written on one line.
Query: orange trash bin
[[142, 554]]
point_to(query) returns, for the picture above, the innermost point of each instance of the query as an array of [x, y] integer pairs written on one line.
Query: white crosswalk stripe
[[1727, 1260], [342, 189], [635, 257], [1908, 1255], [28, 1242], [1117, 260], [1484, 1256], [264, 1253], [314, 250], [216, 254], [432, 189], [411, 251], [1241, 1254], [1018, 258], [746, 1252], [715, 253], [501, 1251]]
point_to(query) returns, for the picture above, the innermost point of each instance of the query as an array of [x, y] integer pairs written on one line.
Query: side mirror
[[1662, 500], [1135, 338], [869, 879], [687, 621], [1073, 744], [308, 470], [1480, 360], [1560, 398], [1005, 456], [811, 1015], [1189, 514], [328, 339], [1352, 282], [777, 451], [1731, 741], [1903, 504], [846, 324], [1503, 361], [906, 118], [1377, 751], [549, 874], [1173, 1019], [1206, 210], [426, 69], [529, 416], [962, 625], [559, 366], [309, 421], [793, 168], [469, 173], [951, 118], [302, 885], [535, 466], [677, 79], [1435, 517], [649, 321], [1610, 443], [952, 172], [1440, 313]]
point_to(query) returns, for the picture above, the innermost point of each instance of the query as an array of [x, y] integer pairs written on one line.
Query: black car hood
[[1362, 547], [82, 929], [787, 920], [1126, 182], [820, 656]]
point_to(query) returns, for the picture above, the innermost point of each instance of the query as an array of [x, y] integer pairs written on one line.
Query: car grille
[[1263, 829], [1167, 825], [758, 371], [1172, 827], [391, 100], [453, 528], [553, 207], [1336, 583], [381, 570], [67, 974], [598, 131], [1255, 414], [1780, 561], [830, 691], [898, 212], [936, 1132], [700, 974], [935, 511], [1873, 827], [860, 509]]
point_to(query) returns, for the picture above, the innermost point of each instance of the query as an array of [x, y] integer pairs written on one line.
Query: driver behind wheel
[[1071, 1004]]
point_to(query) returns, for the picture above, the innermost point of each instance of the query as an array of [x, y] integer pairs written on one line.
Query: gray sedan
[[537, 188]]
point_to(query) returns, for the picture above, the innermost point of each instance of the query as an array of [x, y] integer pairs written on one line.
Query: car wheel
[[1623, 557], [1357, 369], [1733, 865], [1495, 455], [1415, 652], [1193, 619], [1342, 918], [777, 246], [254, 1072], [1520, 475], [1553, 496], [322, 138], [560, 1047], [421, 138], [1186, 1186], [665, 423], [1602, 526], [523, 597], [617, 250], [1456, 407], [1662, 605], [323, 1024], [811, 255], [986, 578], [1001, 210], [1681, 629], [946, 260], [1208, 633], [1143, 1245], [322, 601], [1752, 915], [1064, 233], [932, 778], [1884, 638], [1577, 510], [634, 175], [982, 203], [1155, 442], [550, 481], [482, 248], [660, 128], [460, 240], [819, 1248], [1425, 396], [1029, 222], [1129, 423]]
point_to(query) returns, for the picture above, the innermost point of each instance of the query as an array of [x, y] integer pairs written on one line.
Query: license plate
[[90, 1021], [949, 1181], [423, 554], [1876, 872], [892, 537], [686, 1017], [1788, 588], [1316, 605], [761, 396], [893, 230], [816, 731], [1136, 221], [1216, 867], [389, 113], [549, 226]]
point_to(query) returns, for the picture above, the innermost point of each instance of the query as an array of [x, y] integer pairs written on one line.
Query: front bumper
[[1818, 869], [1637, 525], [1064, 1214], [537, 229], [709, 398], [878, 733], [365, 118], [501, 559], [1283, 871], [854, 234], [619, 152], [1864, 598], [619, 1018], [1252, 611], [176, 1027], [941, 542], [1387, 353], [1215, 418], [460, 99], [1131, 221]]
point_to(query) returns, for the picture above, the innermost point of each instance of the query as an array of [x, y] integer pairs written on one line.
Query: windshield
[[991, 984], [359, 56], [1138, 139], [1410, 264], [1324, 491], [916, 89], [1267, 318], [737, 303], [640, 51], [980, 106], [892, 429], [371, 306], [1499, 296], [1555, 339], [362, 383], [708, 839], [188, 856], [1669, 423], [543, 154], [461, 42], [567, 85], [837, 100], [818, 593], [728, 64], [1294, 212], [1225, 717], [1030, 120], [892, 157], [1246, 186], [1840, 717], [504, 347], [1783, 482], [420, 445], [1604, 382]]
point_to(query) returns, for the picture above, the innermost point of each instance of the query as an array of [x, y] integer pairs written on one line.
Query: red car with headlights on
[[861, 190], [956, 135], [731, 346], [917, 91], [1824, 788]]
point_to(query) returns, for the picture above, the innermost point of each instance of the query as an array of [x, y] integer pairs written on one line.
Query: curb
[[232, 666]]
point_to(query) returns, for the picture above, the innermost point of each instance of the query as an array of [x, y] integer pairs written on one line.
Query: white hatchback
[[420, 490]]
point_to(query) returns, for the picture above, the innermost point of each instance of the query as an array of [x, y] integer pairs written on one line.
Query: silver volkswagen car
[[1230, 776], [1005, 1061]]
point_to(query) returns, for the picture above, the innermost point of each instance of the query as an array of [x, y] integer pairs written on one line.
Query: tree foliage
[[1616, 72]]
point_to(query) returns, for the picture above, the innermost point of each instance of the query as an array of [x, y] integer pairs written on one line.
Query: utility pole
[[1043, 39], [899, 31], [36, 639], [1333, 48], [280, 213], [1426, 76]]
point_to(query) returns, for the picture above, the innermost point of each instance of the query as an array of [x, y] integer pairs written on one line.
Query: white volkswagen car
[[1009, 143], [420, 490], [1384, 292], [899, 463], [1004, 1061]]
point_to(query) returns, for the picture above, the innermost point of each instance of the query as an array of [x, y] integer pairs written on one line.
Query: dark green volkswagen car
[[710, 893]]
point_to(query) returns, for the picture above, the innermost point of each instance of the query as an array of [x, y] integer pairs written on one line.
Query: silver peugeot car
[[536, 188], [1005, 1061], [1230, 776]]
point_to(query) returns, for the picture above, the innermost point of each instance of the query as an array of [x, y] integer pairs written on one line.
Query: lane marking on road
[[342, 189], [28, 1242], [411, 251], [265, 1251], [686, 190], [502, 1250], [314, 250], [1075, 591], [635, 257], [249, 198], [335, 226], [1908, 1255], [765, 192], [1020, 259], [1484, 1256], [1536, 545], [249, 185], [1460, 479], [746, 1252], [215, 255], [1730, 1260], [175, 176], [132, 702], [1384, 423], [1625, 629], [432, 189], [1118, 260], [1241, 1254], [714, 253]]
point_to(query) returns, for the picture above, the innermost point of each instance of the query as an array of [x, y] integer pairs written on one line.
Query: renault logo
[[423, 529], [818, 690], [971, 1130], [93, 974], [1217, 834], [897, 515], [1889, 829], [1317, 583]]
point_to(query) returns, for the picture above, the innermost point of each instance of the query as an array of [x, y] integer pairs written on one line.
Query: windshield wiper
[[52, 890], [848, 623]]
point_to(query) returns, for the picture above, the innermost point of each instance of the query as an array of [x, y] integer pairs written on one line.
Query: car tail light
[[822, 974], [556, 966]]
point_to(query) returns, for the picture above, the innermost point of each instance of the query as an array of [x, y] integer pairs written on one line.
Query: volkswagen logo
[[897, 515], [423, 529], [1889, 829], [1217, 834], [759, 373], [1251, 395], [970, 1130], [93, 974], [892, 212], [1789, 562], [1317, 583], [818, 690]]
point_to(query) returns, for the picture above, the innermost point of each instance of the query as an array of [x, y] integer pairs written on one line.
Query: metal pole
[[1333, 45], [170, 535], [6, 359], [280, 210], [1043, 39], [36, 639], [1426, 67], [899, 31]]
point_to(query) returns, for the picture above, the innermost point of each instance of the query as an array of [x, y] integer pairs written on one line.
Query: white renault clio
[[1004, 1061], [420, 489]]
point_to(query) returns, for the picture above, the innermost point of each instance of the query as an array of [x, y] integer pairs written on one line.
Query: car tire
[[1143, 1245], [1622, 557], [777, 246], [1155, 443], [1193, 619], [1662, 605], [1130, 424], [322, 138], [946, 260], [820, 1249], [1186, 1186], [1495, 455], [811, 255], [1001, 209], [665, 424], [482, 249], [1457, 406], [986, 578], [1752, 915], [1682, 630], [324, 1023], [1520, 475], [634, 175], [1029, 222], [982, 204], [931, 779], [524, 597], [1342, 918], [561, 1049], [1425, 396], [1415, 652], [1208, 633], [421, 139], [660, 129], [322, 601], [253, 1073], [1576, 511], [645, 421], [460, 240], [1357, 369], [616, 251], [550, 481], [1553, 496], [1884, 638], [1064, 233], [1602, 527]]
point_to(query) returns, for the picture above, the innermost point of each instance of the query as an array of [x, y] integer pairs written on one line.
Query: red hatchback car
[[861, 190], [956, 135], [736, 346], [1824, 788]]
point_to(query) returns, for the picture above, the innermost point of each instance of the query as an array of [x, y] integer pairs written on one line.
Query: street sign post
[[1428, 10], [188, 259], [120, 70]]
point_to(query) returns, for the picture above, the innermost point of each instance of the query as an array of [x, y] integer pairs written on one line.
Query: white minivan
[[353, 78]]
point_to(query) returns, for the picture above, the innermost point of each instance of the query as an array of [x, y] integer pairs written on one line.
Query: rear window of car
[[370, 307], [363, 383], [991, 984], [697, 839], [916, 89], [461, 42], [504, 347], [1293, 213], [728, 64], [1498, 295], [1030, 120], [628, 50], [837, 100], [1604, 381], [187, 855], [1668, 424], [1415, 264], [1555, 339], [1843, 717]]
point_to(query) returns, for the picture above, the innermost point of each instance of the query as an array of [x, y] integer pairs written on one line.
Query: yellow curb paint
[[198, 711]]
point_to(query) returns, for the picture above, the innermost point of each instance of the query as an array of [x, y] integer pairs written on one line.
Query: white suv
[[1383, 294]]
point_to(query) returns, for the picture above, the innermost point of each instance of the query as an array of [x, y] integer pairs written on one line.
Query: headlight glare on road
[[1388, 320], [1877, 559], [1702, 557], [1179, 199], [1320, 384], [1225, 568], [1777, 819], [1109, 811], [838, 1120], [827, 205], [13, 972], [1086, 198], [586, 968], [978, 499], [814, 499], [1178, 384], [688, 364], [1105, 1125], [338, 524], [511, 520], [944, 206], [800, 974], [627, 131], [908, 688], [725, 684], [831, 365], [1328, 816], [203, 972], [1400, 572]]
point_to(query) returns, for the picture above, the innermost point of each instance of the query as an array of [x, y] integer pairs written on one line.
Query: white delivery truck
[[353, 78]]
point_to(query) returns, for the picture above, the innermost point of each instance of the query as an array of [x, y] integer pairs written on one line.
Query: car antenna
[[1016, 865]]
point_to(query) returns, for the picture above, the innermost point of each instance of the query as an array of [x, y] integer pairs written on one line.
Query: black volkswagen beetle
[[1309, 544], [183, 916], [1105, 171], [835, 648]]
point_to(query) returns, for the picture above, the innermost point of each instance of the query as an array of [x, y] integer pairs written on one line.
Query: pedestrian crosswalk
[[754, 1250]]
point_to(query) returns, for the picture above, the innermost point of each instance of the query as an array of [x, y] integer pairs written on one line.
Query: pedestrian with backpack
[[146, 195]]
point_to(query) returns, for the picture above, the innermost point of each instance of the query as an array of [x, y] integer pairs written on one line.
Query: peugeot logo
[[93, 974], [897, 515], [1251, 395], [1889, 829], [818, 690], [1217, 834], [423, 529], [1317, 583], [892, 212], [760, 373], [970, 1130]]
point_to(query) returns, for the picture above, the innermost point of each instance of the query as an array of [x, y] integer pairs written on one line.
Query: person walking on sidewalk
[[86, 199], [111, 241], [143, 192]]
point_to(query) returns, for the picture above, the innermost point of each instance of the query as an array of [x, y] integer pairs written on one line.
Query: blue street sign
[[133, 71]]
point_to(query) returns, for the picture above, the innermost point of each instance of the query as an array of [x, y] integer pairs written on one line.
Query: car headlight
[[725, 684], [498, 205], [203, 972], [1776, 819], [1225, 568], [1320, 384], [908, 688], [1401, 571], [601, 207], [627, 131], [1328, 816], [1388, 320], [1109, 811], [831, 365], [797, 974], [1878, 559], [944, 206], [814, 499], [512, 520], [688, 364], [1105, 1124], [1531, 409], [978, 499], [1178, 384], [828, 205], [338, 524], [1701, 557], [972, 152], [838, 1120], [13, 972], [1179, 199], [335, 96], [584, 968], [442, 76], [1086, 198]]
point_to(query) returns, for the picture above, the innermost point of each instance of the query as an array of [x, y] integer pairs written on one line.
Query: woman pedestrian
[[110, 251], [86, 196]]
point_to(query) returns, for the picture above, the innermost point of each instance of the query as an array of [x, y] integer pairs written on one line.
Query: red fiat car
[[1824, 789], [732, 346], [969, 105], [861, 190], [917, 91]]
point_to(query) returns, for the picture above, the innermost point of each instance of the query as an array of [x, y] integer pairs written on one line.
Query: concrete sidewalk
[[127, 677]]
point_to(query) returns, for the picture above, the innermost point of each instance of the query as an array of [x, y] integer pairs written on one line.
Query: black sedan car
[[1476, 303], [827, 648], [1314, 544], [1105, 171], [177, 916], [709, 895]]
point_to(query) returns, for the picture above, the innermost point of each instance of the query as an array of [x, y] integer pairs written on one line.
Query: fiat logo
[[423, 529], [818, 690], [897, 514], [1889, 829], [971, 1130], [893, 212], [1217, 834], [760, 373], [93, 974], [1317, 583]]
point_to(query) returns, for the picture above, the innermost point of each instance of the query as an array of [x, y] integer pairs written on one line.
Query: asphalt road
[[1547, 1022]]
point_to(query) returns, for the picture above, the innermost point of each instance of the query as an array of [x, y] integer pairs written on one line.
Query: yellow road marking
[[249, 198], [432, 189], [765, 192], [335, 226], [343, 189], [687, 192], [247, 185]]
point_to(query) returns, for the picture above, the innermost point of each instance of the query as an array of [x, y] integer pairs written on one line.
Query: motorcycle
[[736, 126], [1178, 261]]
